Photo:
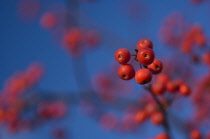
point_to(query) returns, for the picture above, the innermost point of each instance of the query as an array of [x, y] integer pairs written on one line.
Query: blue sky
[[22, 43]]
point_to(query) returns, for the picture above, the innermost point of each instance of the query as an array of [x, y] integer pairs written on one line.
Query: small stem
[[145, 66], [136, 50], [162, 109], [140, 66]]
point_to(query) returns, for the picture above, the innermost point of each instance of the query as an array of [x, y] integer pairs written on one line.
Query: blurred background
[[59, 77]]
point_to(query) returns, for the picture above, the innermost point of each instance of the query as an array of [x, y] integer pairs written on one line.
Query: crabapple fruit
[[146, 56], [172, 86], [206, 58], [122, 56], [143, 76], [140, 116], [158, 88], [126, 72], [195, 134], [162, 136], [157, 118], [162, 78], [156, 66], [144, 43], [184, 89], [48, 20]]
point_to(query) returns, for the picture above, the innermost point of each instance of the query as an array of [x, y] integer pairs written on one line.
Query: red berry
[[156, 66], [126, 72], [144, 43], [157, 118], [195, 134], [140, 116], [158, 88], [73, 38], [184, 89], [150, 108], [143, 76], [206, 58], [172, 86], [48, 20], [162, 136], [122, 56], [162, 78], [146, 56], [92, 38]]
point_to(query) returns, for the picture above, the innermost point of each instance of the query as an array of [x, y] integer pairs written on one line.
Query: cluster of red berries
[[155, 116], [23, 80], [75, 38], [173, 29], [197, 134], [164, 83], [193, 37], [187, 37], [12, 102], [145, 56], [55, 109], [200, 98]]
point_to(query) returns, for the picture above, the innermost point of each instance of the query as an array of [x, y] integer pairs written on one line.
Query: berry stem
[[72, 18], [136, 50], [140, 66], [162, 109], [79, 64]]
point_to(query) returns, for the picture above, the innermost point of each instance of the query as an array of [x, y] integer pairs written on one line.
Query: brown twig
[[162, 109]]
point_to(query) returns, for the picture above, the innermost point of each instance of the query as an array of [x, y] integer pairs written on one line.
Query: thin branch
[[162, 109]]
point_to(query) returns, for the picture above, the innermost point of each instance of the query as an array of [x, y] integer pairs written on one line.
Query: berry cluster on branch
[[146, 58]]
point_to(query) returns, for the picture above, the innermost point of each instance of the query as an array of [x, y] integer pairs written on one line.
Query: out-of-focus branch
[[72, 98], [162, 109], [79, 65]]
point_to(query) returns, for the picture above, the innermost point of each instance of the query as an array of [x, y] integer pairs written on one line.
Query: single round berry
[[195, 134], [184, 89], [158, 88], [162, 136], [146, 56], [157, 118], [172, 86], [206, 58], [92, 38], [48, 20], [140, 116], [162, 78], [144, 43], [122, 56], [150, 108], [126, 72], [156, 66], [143, 76]]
